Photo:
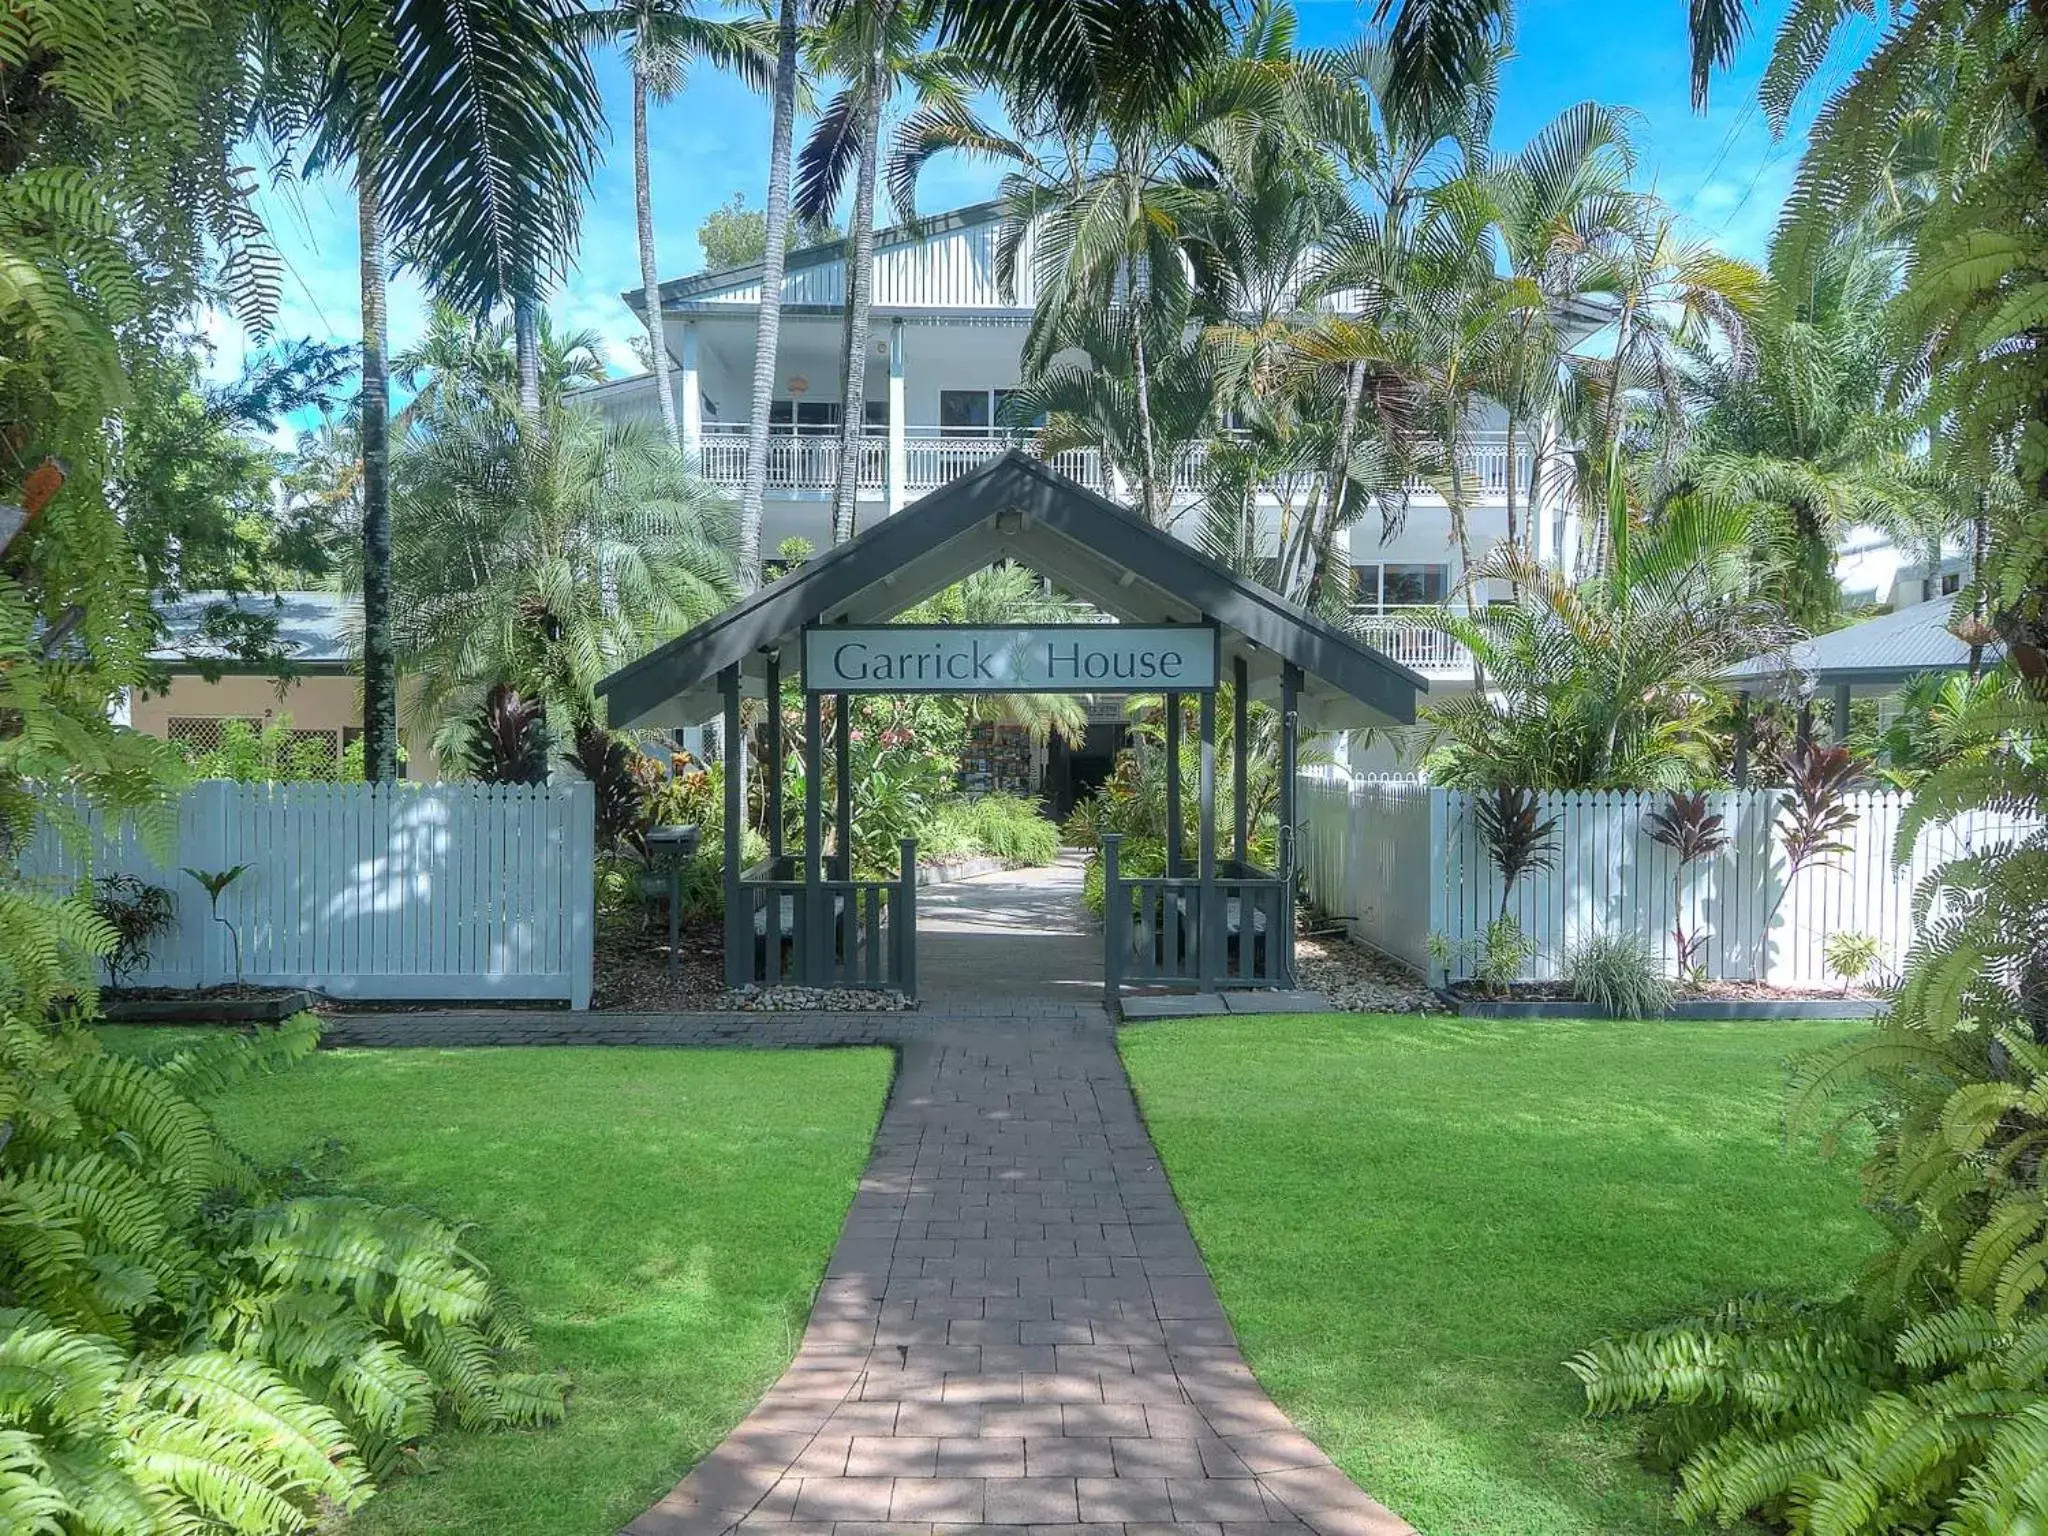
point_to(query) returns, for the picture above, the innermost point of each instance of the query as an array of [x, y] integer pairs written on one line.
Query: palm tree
[[539, 556], [1805, 434], [1091, 403], [1610, 683], [768, 321], [662, 38], [1010, 594], [458, 358], [471, 130], [876, 47], [1671, 298], [1553, 206]]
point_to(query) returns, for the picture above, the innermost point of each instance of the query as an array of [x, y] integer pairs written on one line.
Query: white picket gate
[[1366, 862], [429, 891]]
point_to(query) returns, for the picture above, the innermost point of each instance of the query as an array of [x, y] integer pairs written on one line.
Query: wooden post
[[842, 777], [1115, 913], [844, 942], [1240, 730], [1209, 913], [1741, 765], [1173, 784], [811, 948], [1280, 946], [739, 923], [906, 920], [772, 769], [1841, 714]]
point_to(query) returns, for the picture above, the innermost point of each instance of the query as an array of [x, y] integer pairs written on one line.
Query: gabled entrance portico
[[1182, 625]]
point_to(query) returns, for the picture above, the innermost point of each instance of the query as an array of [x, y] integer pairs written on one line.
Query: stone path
[[1019, 942], [1016, 1333]]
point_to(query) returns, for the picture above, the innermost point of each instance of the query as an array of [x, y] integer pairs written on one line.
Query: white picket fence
[[1364, 846], [1398, 861], [433, 891]]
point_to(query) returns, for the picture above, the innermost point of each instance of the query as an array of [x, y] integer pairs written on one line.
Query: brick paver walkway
[[1016, 1333]]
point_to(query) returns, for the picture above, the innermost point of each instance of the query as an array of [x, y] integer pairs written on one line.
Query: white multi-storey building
[[946, 348]]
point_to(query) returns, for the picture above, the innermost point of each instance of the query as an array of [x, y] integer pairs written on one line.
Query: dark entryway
[[1075, 770]]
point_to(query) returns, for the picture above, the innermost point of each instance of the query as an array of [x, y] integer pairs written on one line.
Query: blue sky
[[1721, 169]]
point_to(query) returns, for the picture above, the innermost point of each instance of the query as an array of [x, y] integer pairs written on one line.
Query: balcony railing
[[1414, 646], [795, 463], [934, 456]]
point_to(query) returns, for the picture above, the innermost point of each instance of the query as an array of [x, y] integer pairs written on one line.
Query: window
[[966, 410], [820, 418], [1951, 583], [1381, 586]]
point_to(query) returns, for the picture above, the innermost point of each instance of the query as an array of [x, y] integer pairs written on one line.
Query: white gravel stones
[[781, 999], [1358, 980]]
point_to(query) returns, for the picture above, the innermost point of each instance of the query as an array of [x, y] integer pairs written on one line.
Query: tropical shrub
[[1851, 956], [1813, 813], [1496, 958], [252, 754], [1610, 683], [1013, 829], [508, 738], [1617, 973], [610, 766], [137, 914]]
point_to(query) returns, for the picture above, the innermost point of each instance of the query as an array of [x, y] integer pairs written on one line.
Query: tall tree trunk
[[526, 349], [1514, 542], [768, 325], [860, 282], [1595, 540], [1141, 380], [650, 279], [1475, 592], [1302, 571], [1980, 551], [380, 665]]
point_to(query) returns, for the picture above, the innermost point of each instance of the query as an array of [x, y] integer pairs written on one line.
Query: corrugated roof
[[312, 627], [1887, 649]]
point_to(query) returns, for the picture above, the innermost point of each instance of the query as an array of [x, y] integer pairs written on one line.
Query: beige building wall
[[326, 702]]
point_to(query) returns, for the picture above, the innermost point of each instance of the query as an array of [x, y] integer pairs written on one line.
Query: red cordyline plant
[[1517, 834], [1814, 815], [1692, 832], [508, 741]]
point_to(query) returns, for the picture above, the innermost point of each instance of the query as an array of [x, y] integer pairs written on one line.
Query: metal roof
[[1017, 509], [1880, 652], [679, 288], [313, 628]]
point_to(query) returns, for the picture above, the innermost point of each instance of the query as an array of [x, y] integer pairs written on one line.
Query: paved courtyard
[[1015, 1333]]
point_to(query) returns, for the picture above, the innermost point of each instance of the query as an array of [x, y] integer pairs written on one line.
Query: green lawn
[[1412, 1222], [661, 1216]]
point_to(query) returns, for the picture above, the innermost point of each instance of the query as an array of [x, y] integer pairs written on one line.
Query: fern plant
[[1919, 1401], [214, 1357]]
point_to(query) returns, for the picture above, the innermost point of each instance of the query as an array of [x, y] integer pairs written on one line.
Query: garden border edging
[[1701, 1008]]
